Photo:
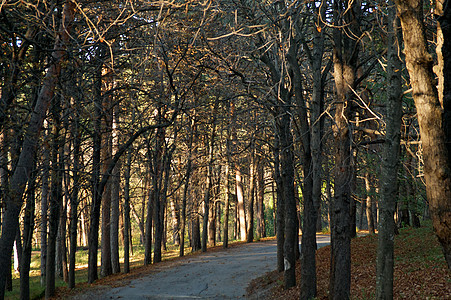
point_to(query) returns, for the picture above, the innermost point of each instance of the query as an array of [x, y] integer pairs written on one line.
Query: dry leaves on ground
[[420, 269]]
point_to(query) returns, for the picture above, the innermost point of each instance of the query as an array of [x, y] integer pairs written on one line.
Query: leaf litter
[[420, 270]]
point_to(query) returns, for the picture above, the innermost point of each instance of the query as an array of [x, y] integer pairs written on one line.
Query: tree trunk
[[316, 119], [218, 216], [287, 174], [44, 209], [150, 211], [93, 236], [308, 263], [225, 234], [210, 141], [390, 163], [280, 206], [435, 153], [164, 192], [369, 204], [261, 228], [55, 196], [17, 252], [115, 197], [443, 10], [361, 213], [186, 187], [157, 199], [175, 216], [76, 135], [196, 232], [27, 238], [127, 221], [345, 56], [252, 180], [61, 247], [3, 170], [106, 268], [240, 203]]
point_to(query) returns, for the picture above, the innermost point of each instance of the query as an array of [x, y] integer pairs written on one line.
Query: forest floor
[[420, 269]]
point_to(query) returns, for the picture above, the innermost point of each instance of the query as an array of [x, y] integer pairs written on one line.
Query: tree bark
[[228, 195], [261, 228], [93, 236], [240, 204], [106, 268], [127, 221], [317, 108], [209, 182], [44, 208], [157, 180], [28, 237], [280, 206], [149, 210], [390, 163], [437, 171], [56, 197], [443, 10], [345, 56], [252, 181], [369, 204], [76, 135], [115, 197], [186, 187], [287, 175]]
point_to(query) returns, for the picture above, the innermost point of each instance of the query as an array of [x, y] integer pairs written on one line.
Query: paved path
[[215, 275]]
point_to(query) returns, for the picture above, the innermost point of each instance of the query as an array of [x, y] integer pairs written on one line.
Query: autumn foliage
[[420, 269]]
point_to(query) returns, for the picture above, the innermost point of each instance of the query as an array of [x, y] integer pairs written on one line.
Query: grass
[[81, 274]]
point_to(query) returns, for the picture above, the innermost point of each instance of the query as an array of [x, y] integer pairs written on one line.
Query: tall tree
[[126, 210], [93, 239], [74, 197], [56, 195], [437, 170], [210, 143], [186, 186], [443, 12], [345, 58], [28, 237], [390, 162], [115, 197]]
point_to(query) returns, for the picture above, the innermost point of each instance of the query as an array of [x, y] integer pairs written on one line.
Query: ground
[[216, 274], [420, 273], [420, 269]]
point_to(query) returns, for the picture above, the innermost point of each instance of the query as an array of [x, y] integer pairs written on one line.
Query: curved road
[[216, 275]]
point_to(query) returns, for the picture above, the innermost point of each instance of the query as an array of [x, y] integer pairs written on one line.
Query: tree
[[390, 163], [437, 171], [345, 59], [29, 147]]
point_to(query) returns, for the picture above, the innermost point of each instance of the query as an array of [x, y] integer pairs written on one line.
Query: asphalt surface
[[216, 275]]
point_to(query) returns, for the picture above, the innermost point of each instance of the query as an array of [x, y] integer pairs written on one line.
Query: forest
[[189, 124]]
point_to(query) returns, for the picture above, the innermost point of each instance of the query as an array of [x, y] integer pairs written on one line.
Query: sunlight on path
[[216, 275]]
